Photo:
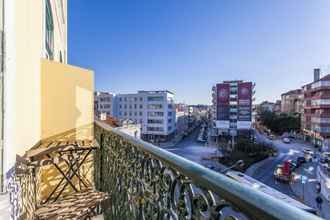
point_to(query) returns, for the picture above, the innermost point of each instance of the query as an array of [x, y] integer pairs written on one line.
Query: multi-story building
[[103, 103], [267, 106], [292, 101], [316, 115], [277, 106], [232, 107], [154, 110]]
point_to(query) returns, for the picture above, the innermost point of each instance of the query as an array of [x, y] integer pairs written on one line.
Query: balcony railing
[[147, 182]]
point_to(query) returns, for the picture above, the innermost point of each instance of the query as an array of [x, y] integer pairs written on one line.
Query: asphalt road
[[196, 151], [265, 172]]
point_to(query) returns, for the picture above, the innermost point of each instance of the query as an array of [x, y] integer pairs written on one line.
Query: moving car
[[281, 175], [286, 140]]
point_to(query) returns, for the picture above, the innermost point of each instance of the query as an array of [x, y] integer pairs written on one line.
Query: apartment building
[[154, 110], [316, 115], [232, 107], [103, 103], [267, 106], [292, 101]]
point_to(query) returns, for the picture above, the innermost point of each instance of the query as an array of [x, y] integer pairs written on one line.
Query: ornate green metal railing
[[147, 182]]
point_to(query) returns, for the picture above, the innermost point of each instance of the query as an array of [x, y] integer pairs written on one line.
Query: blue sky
[[186, 46]]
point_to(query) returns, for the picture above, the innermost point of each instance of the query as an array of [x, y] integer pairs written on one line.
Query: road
[[195, 151], [265, 172]]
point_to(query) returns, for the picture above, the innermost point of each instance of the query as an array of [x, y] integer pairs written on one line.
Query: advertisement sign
[[222, 124], [245, 91], [223, 92], [244, 124]]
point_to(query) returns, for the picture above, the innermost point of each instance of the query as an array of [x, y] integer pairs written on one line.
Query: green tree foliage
[[280, 123]]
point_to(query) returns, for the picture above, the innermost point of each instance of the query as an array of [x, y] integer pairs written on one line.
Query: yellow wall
[[67, 99], [23, 89]]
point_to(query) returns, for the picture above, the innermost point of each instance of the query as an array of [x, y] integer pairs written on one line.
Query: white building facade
[[103, 103], [154, 110]]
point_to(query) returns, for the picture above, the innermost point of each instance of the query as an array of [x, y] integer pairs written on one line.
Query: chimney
[[316, 74]]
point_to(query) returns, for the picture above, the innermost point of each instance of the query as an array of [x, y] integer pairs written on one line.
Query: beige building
[[44, 96], [292, 101]]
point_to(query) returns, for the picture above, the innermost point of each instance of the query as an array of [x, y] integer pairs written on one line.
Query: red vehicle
[[283, 172]]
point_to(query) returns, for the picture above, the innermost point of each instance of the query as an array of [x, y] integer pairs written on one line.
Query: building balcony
[[141, 181]]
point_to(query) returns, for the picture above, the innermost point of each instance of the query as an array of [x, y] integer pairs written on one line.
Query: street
[[195, 151], [264, 171]]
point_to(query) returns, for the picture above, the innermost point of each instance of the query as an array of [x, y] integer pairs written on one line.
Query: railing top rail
[[265, 206]]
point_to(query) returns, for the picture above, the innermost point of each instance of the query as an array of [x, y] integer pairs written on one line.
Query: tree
[[280, 123]]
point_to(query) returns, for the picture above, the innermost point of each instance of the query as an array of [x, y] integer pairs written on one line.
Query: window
[[170, 106], [155, 106], [169, 128], [130, 106], [141, 113], [125, 113], [135, 113], [141, 106], [130, 113], [120, 99], [155, 128], [135, 99], [169, 120], [61, 59], [155, 114], [169, 113], [125, 106], [155, 98], [141, 99], [120, 113], [49, 31], [135, 106], [125, 99], [120, 106], [155, 121]]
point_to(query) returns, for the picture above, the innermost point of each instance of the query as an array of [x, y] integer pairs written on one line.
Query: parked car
[[293, 165], [325, 157], [286, 140], [308, 154], [271, 137], [300, 160]]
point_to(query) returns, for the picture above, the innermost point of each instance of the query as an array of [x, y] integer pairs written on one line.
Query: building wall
[[104, 103], [139, 109], [69, 107], [25, 45], [232, 101], [292, 101], [24, 39]]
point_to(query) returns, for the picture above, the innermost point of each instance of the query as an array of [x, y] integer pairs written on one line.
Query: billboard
[[244, 101], [245, 91], [223, 94], [222, 124]]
